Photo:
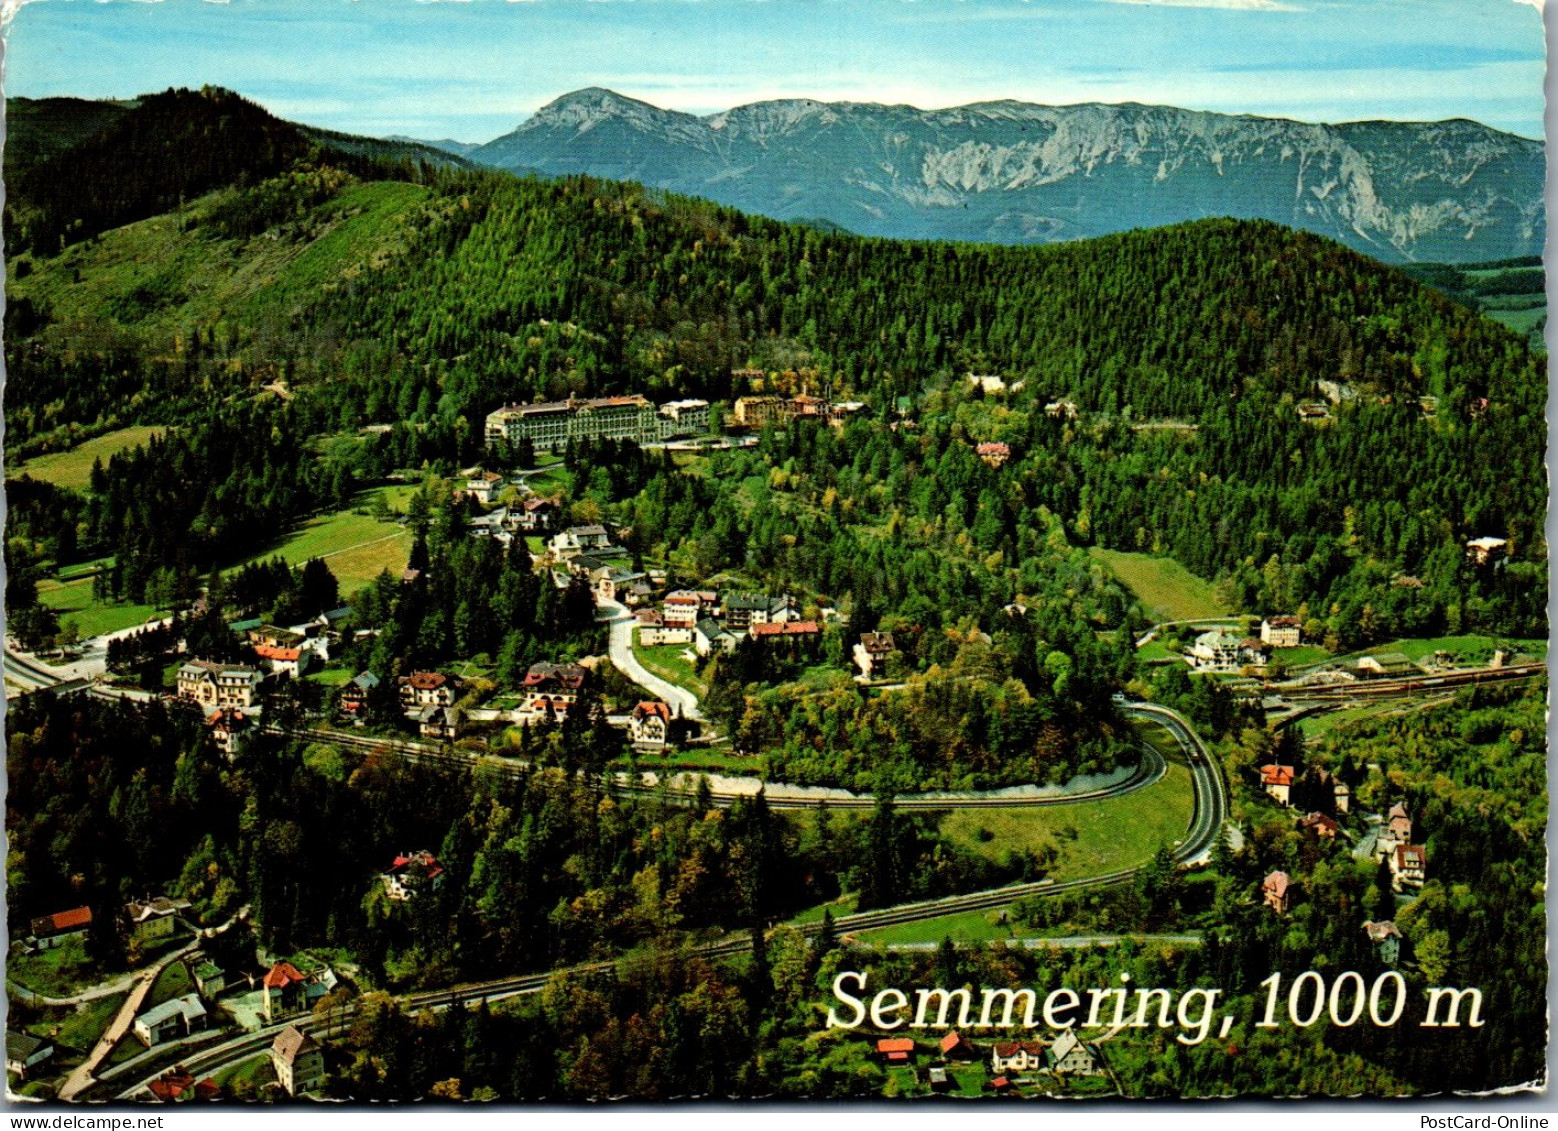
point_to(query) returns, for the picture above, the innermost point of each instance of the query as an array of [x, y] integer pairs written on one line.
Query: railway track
[[1385, 687], [1210, 811]]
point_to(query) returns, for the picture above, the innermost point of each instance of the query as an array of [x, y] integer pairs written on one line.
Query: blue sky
[[474, 69]]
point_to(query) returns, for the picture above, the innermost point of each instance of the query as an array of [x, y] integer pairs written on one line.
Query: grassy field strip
[[1167, 589], [667, 662], [72, 469]]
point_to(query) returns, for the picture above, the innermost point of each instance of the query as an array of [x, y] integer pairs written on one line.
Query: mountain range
[[1012, 172]]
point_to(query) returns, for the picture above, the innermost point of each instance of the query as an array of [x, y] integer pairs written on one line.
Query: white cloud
[[1228, 5]]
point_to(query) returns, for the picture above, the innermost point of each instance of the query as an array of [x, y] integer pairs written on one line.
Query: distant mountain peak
[[1019, 172]]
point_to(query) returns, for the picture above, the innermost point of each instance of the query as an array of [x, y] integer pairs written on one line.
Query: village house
[[1281, 632], [499, 525], [50, 930], [1319, 826], [441, 723], [288, 660], [954, 1047], [412, 872], [549, 691], [1061, 410], [227, 728], [1483, 551], [218, 685], [298, 1060], [209, 978], [650, 725], [683, 608], [708, 635], [289, 990], [354, 696], [1277, 781], [896, 1050], [580, 540], [25, 1053], [871, 652], [1016, 1057], [651, 637], [1311, 413], [1216, 651], [1386, 939], [153, 919], [741, 610], [171, 1020], [1070, 1057], [427, 689], [994, 454], [534, 512], [614, 584], [936, 1076], [483, 486], [1408, 866], [1278, 892], [760, 411]]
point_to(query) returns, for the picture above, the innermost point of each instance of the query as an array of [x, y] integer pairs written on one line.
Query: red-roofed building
[[1319, 825], [176, 1085], [226, 728], [953, 1045], [1408, 866], [410, 873], [1277, 781], [427, 689], [285, 991], [791, 629], [896, 1050], [51, 930], [994, 454], [650, 725], [1016, 1056]]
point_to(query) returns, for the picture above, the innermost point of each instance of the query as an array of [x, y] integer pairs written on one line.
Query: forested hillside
[[382, 301]]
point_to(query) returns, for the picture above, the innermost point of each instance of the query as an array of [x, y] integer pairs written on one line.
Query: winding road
[[622, 622]]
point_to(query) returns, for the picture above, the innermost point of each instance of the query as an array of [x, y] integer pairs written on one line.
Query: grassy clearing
[[73, 601], [1301, 656], [1467, 649], [255, 1072], [668, 662], [966, 927], [171, 983], [356, 546], [1092, 837], [693, 761], [72, 469], [843, 905], [58, 971], [78, 1029], [1165, 588]]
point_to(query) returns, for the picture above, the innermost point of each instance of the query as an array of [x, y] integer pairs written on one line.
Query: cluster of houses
[[758, 412], [711, 621], [1223, 651], [1012, 1063]]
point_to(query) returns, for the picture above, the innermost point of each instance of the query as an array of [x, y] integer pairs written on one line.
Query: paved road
[[685, 703]]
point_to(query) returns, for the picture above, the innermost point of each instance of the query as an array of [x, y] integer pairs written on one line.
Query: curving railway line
[[1210, 811]]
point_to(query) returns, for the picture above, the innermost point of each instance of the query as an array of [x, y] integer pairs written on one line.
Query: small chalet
[[25, 1053], [871, 652], [1386, 939], [411, 873], [285, 659], [354, 696], [227, 728], [994, 454], [1408, 866], [1061, 410], [1278, 892], [568, 677], [171, 1020], [1277, 781], [1399, 822], [284, 990], [938, 1079], [896, 1050], [1318, 825], [1016, 1056], [153, 919], [51, 930], [650, 725], [1281, 632], [298, 1060], [534, 512], [1312, 413]]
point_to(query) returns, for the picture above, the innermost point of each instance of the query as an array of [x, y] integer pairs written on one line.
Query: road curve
[[683, 702]]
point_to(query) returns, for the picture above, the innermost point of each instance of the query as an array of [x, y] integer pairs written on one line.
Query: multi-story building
[[684, 418], [299, 1061], [556, 423], [218, 685]]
